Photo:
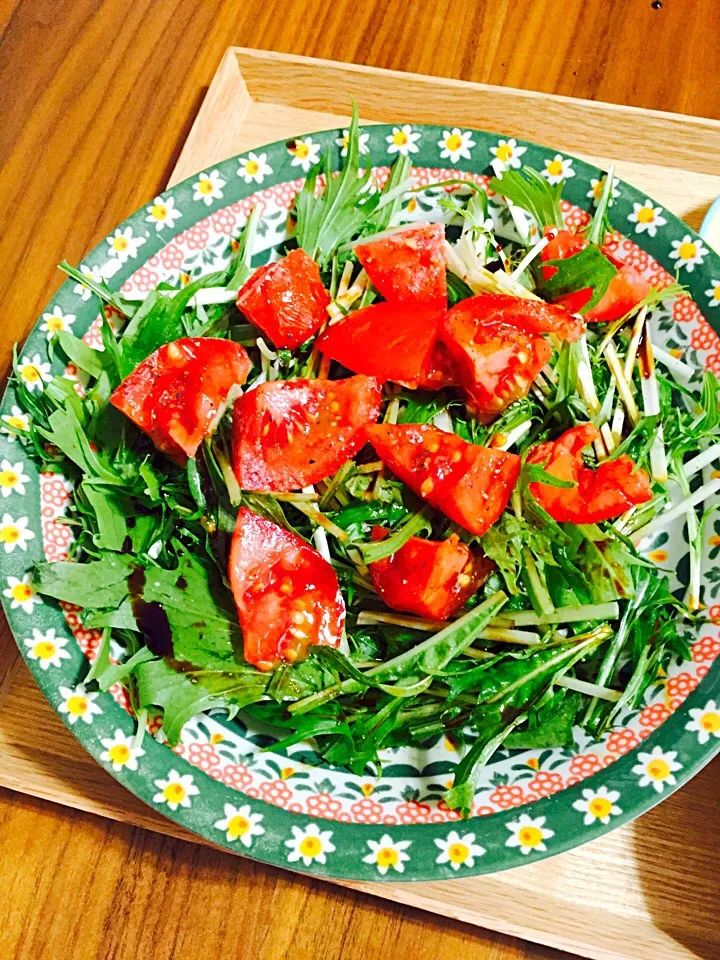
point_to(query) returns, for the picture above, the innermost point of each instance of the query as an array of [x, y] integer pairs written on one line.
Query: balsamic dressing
[[150, 617]]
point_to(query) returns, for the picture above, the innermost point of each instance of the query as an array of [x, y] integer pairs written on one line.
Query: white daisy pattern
[[162, 212], [12, 478], [403, 140], [21, 593], [387, 854], [254, 168], [647, 218], [657, 768], [305, 153], [458, 850], [14, 423], [15, 533], [455, 143], [558, 169], [705, 722], [713, 294], [688, 252], [528, 833], [343, 141], [506, 155], [47, 649], [56, 321], [596, 189], [78, 704], [310, 845], [120, 752], [208, 187], [598, 805], [176, 790], [34, 372], [123, 245], [82, 289], [239, 823]]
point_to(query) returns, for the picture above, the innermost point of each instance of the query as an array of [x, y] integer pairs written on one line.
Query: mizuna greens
[[571, 626]]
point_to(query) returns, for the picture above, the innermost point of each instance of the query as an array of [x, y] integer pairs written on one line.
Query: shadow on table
[[687, 822]]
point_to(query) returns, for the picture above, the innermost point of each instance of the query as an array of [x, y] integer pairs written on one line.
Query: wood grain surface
[[97, 99]]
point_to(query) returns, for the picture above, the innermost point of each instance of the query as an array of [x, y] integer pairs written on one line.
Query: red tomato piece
[[496, 362], [600, 494], [286, 300], [439, 370], [291, 433], [287, 595], [430, 578], [179, 392], [409, 265], [390, 341], [469, 484], [625, 291]]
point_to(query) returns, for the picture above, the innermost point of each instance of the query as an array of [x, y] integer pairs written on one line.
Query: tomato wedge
[[291, 433], [286, 299], [408, 265], [287, 595], [625, 291], [430, 578], [469, 484], [599, 494], [390, 341], [496, 362], [178, 393]]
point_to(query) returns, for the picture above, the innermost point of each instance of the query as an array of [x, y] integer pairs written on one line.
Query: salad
[[389, 486]]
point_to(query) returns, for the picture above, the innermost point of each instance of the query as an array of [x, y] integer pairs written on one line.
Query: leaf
[[110, 511], [157, 321], [183, 695], [200, 613], [338, 212], [589, 268], [79, 353], [548, 725], [242, 266], [66, 432], [530, 191], [379, 549], [99, 584]]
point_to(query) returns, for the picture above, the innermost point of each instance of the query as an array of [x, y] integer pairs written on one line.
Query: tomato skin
[[408, 266], [430, 578], [495, 361], [176, 394], [287, 595], [600, 494], [288, 434], [625, 291], [389, 341], [469, 484], [286, 299]]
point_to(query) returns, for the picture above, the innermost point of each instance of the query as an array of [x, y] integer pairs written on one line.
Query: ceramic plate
[[287, 807]]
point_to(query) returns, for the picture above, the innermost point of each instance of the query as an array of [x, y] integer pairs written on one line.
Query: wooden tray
[[649, 889]]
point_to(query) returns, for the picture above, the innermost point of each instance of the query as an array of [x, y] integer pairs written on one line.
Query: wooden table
[[98, 96]]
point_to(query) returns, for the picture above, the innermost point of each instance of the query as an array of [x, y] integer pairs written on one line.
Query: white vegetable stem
[[526, 638], [703, 459], [677, 367], [698, 496], [529, 257], [591, 689], [528, 618], [651, 406], [630, 357]]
